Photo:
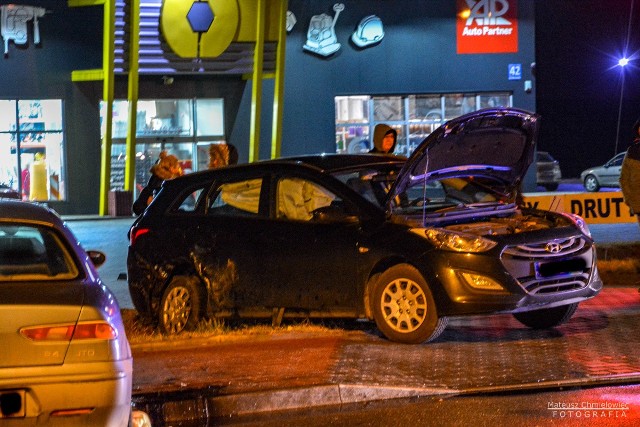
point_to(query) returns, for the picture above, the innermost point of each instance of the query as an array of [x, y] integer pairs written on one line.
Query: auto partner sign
[[487, 26], [596, 208]]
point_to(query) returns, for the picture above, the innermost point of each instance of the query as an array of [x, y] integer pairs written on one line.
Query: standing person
[[167, 167], [384, 139], [630, 174], [222, 155]]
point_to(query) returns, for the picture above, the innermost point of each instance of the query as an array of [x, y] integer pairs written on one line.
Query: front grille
[[550, 267], [553, 248], [534, 285]]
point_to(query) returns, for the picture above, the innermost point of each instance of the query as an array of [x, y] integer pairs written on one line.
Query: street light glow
[[623, 61]]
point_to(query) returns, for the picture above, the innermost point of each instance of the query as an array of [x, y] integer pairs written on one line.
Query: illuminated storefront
[[344, 67]]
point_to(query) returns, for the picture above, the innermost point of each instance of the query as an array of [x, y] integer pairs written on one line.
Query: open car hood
[[492, 144]]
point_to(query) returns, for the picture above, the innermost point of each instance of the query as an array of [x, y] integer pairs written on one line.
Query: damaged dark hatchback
[[406, 244]]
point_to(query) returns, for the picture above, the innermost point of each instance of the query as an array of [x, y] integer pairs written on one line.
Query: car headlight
[[455, 241], [579, 222]]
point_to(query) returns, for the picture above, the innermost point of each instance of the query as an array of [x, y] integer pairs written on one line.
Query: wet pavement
[[354, 364], [198, 379]]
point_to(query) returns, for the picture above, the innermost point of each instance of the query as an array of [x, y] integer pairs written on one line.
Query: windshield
[[372, 183], [434, 196], [447, 194]]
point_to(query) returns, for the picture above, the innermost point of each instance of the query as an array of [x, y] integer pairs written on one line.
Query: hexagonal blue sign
[[200, 16]]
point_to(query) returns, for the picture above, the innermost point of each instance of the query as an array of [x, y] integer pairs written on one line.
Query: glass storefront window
[[494, 100], [413, 116], [182, 127], [388, 109], [7, 115], [32, 148], [352, 109], [210, 117], [353, 139]]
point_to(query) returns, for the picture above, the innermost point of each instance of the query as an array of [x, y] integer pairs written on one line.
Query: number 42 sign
[[515, 71]]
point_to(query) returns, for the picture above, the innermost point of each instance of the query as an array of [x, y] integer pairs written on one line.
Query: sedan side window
[[237, 198], [302, 200]]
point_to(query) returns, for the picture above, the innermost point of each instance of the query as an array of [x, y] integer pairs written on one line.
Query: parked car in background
[[406, 243], [607, 175], [64, 354], [548, 174]]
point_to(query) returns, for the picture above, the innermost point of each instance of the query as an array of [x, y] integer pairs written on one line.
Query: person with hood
[[630, 174], [384, 139]]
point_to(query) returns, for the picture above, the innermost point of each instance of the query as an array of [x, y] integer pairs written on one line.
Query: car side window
[[190, 200], [236, 198], [302, 200]]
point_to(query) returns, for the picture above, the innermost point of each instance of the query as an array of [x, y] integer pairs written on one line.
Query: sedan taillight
[[135, 233], [82, 331]]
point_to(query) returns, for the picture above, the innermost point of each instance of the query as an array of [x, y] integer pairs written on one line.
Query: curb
[[200, 405], [194, 405]]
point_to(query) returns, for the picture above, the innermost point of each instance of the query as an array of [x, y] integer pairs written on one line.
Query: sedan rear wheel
[[546, 317], [591, 183], [404, 308], [180, 305]]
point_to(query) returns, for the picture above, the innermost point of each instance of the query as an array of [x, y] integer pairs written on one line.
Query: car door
[[233, 219], [309, 249], [611, 171]]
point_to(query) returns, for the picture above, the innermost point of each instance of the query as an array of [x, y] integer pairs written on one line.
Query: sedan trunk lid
[[28, 305]]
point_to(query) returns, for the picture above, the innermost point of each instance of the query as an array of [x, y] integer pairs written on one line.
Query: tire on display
[[591, 183], [546, 317], [180, 305], [403, 306]]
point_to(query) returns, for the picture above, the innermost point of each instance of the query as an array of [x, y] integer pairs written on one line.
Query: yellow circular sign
[[179, 35]]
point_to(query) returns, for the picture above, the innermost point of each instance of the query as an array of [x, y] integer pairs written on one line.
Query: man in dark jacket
[[630, 173], [384, 139]]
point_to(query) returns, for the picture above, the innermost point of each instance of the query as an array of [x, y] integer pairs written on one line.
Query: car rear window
[[33, 253]]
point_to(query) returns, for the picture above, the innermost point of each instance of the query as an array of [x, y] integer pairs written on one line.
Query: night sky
[[578, 44]]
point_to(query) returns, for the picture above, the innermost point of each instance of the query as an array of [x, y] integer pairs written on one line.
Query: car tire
[[180, 305], [591, 183], [551, 187], [404, 308], [546, 317]]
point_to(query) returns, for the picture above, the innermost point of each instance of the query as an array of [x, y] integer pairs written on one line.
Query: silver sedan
[[64, 357], [607, 175]]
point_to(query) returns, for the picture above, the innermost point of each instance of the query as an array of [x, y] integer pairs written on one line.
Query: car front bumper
[[503, 288]]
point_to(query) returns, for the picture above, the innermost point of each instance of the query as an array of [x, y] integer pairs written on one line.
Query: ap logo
[[487, 12]]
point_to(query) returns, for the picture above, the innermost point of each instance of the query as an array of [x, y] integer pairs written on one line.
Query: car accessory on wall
[[291, 21], [369, 32], [13, 20], [321, 36]]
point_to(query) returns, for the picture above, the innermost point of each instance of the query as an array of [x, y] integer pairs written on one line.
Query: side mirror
[[330, 214], [97, 258]]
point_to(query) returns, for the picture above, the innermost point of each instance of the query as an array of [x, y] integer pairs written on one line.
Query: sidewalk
[[182, 380]]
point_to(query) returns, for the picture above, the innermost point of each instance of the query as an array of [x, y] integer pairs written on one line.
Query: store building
[[327, 73]]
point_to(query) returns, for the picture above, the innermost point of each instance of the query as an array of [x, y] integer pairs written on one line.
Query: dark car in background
[[404, 243], [548, 174], [606, 175], [64, 354]]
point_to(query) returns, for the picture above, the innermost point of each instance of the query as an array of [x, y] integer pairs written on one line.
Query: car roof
[[335, 162], [327, 163], [23, 210]]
